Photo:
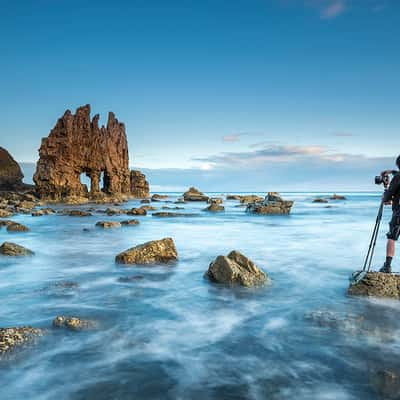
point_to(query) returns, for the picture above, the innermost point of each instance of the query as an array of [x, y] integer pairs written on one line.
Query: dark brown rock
[[137, 211], [251, 198], [108, 224], [235, 268], [320, 200], [168, 214], [140, 188], [273, 204], [13, 249], [215, 207], [16, 227], [377, 284], [154, 252], [338, 197], [159, 197], [78, 145], [194, 194], [10, 172], [130, 222]]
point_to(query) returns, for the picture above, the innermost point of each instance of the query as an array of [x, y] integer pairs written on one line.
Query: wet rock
[[13, 249], [115, 211], [159, 197], [250, 198], [172, 208], [130, 222], [43, 211], [108, 224], [77, 213], [137, 211], [215, 200], [140, 188], [10, 172], [4, 213], [338, 197], [148, 208], [233, 197], [73, 323], [168, 214], [78, 145], [273, 204], [157, 251], [28, 205], [6, 222], [131, 278], [320, 200], [214, 207], [12, 338], [145, 201], [180, 201], [16, 227], [194, 194], [386, 383], [329, 319], [235, 268], [377, 284]]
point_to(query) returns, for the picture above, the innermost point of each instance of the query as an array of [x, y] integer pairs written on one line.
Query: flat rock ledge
[[235, 268], [377, 284], [13, 249], [108, 224], [12, 338], [154, 252], [73, 323]]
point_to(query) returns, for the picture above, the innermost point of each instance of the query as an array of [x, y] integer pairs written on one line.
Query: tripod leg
[[379, 219]]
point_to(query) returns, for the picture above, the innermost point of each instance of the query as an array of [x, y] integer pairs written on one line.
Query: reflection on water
[[167, 333]]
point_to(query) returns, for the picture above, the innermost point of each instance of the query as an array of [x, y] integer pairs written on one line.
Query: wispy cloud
[[343, 134], [235, 137], [333, 10]]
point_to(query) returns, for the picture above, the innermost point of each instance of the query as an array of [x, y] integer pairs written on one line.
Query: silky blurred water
[[171, 334]]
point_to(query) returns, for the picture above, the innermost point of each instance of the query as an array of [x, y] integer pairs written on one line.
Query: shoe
[[385, 269]]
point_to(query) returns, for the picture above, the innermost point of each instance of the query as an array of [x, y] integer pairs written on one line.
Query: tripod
[[358, 275]]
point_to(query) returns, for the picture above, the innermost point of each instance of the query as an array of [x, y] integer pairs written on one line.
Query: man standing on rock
[[392, 196]]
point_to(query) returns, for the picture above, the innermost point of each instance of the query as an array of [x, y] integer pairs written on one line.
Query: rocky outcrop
[[5, 213], [233, 197], [10, 172], [13, 249], [130, 222], [377, 284], [168, 214], [235, 268], [78, 145], [73, 323], [273, 204], [137, 211], [320, 200], [159, 197], [215, 207], [13, 338], [154, 252], [140, 188], [194, 194], [108, 224], [252, 198], [338, 197], [16, 227]]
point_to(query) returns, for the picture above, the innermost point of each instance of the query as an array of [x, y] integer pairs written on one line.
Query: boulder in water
[[13, 249], [273, 204], [73, 323], [215, 207], [235, 268], [338, 197], [154, 252], [130, 222], [194, 194], [12, 338], [377, 284], [16, 227], [251, 198], [108, 224], [4, 213]]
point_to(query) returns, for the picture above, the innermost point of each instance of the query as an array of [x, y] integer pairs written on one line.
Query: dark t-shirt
[[393, 193]]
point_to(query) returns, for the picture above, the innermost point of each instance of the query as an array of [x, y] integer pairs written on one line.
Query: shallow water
[[173, 335]]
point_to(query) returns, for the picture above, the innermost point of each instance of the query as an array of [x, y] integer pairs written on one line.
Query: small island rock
[[73, 323], [16, 227], [11, 338], [13, 249], [108, 224], [194, 194], [377, 284]]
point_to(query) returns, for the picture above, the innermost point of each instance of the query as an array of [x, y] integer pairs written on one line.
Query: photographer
[[392, 197]]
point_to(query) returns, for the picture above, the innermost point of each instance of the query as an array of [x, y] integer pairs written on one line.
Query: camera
[[383, 178]]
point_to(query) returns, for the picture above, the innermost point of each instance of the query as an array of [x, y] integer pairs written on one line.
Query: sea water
[[172, 334]]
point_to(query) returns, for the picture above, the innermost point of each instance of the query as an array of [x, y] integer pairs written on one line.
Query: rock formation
[[157, 251], [10, 172], [194, 194], [78, 145], [377, 284], [273, 204], [108, 224], [73, 323], [13, 249], [236, 268], [140, 188], [12, 338], [215, 207]]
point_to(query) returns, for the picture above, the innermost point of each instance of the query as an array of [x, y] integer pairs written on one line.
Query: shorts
[[394, 227]]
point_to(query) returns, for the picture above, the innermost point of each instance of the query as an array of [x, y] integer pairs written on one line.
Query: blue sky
[[213, 91]]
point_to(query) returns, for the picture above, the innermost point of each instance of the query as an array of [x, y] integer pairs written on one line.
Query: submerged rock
[[77, 213], [108, 224], [168, 214], [130, 222], [16, 227], [13, 249], [320, 200], [386, 383], [43, 211], [235, 268], [73, 323], [131, 278], [214, 207], [273, 204], [4, 213], [338, 197], [12, 338], [377, 284], [159, 197], [194, 194], [137, 211], [156, 251]]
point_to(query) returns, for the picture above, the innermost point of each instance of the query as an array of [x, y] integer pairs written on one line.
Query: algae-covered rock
[[377, 284], [12, 338]]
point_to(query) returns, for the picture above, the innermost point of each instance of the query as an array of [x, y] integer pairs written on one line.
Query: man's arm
[[392, 189]]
